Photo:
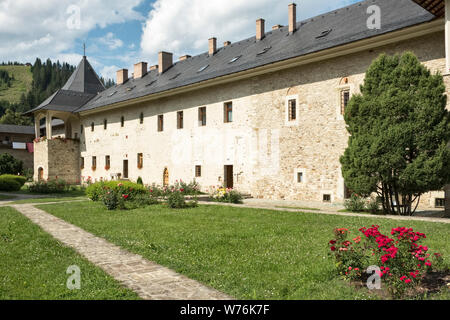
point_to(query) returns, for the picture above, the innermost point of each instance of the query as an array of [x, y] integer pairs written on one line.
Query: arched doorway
[[40, 174], [166, 177]]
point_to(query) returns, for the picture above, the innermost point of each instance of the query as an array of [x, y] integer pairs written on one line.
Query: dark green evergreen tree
[[399, 133]]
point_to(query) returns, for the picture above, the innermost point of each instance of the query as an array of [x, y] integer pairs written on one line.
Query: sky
[[120, 33]]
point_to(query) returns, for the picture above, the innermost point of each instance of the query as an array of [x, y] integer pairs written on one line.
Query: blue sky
[[120, 33]]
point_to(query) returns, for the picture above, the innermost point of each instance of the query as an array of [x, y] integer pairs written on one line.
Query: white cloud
[[111, 41], [46, 28], [184, 26]]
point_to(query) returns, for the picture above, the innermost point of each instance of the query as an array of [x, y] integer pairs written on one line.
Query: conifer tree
[[399, 133]]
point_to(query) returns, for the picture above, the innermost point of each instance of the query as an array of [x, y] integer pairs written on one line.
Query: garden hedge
[[94, 190]]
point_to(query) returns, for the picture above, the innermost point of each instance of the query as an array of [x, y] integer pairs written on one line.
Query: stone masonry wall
[[265, 149], [59, 158]]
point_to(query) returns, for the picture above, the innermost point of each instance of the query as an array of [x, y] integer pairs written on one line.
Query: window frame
[[140, 160], [81, 162], [107, 162], [160, 123], [141, 118], [437, 200], [94, 163], [287, 118], [92, 126], [198, 171], [180, 120], [202, 116], [122, 121], [228, 108], [105, 124]]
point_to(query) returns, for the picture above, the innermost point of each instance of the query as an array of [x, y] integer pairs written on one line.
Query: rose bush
[[402, 259]]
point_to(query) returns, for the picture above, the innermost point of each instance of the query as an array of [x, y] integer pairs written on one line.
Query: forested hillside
[[23, 87]]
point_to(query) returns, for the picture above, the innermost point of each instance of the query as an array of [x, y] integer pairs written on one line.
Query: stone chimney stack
[[140, 70], [292, 18], [185, 57], [260, 32], [277, 26], [226, 43], [212, 46], [165, 60], [122, 76], [154, 67]]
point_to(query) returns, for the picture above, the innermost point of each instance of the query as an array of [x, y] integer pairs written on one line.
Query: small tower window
[[345, 97], [92, 126], [105, 124], [122, 121], [141, 118], [292, 109]]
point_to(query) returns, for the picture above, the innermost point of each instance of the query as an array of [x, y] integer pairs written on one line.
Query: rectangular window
[[107, 162], [439, 202], [105, 124], [141, 118], [122, 121], [94, 163], [326, 198], [202, 116], [160, 122], [299, 177], [82, 162], [228, 109], [140, 160], [180, 120], [198, 171], [92, 127], [292, 109], [345, 97]]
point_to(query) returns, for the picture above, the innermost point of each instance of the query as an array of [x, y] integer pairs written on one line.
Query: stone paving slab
[[148, 279]]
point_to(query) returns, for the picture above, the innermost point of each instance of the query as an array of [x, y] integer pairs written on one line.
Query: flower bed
[[229, 195], [403, 261]]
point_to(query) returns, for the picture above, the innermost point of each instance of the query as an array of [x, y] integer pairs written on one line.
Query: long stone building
[[263, 115]]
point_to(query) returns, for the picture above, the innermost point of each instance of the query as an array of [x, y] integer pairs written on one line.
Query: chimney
[[165, 61], [226, 43], [155, 67], [140, 70], [185, 57], [212, 46], [260, 32], [122, 76], [292, 17], [277, 26]]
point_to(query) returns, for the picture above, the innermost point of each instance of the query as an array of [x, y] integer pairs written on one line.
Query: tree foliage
[[399, 130], [10, 165]]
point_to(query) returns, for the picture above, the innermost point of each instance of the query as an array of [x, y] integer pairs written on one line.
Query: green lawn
[[246, 253], [53, 198], [33, 265]]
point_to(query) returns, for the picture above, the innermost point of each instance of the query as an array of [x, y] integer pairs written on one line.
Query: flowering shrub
[[95, 190], [226, 195], [402, 259]]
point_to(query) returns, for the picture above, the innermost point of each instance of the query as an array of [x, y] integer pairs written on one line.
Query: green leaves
[[399, 129]]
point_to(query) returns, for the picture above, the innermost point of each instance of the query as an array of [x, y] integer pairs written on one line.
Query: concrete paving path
[[148, 279]]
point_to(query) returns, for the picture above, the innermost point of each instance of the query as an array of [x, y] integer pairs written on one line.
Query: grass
[[33, 265], [298, 208], [21, 83], [78, 194], [246, 253]]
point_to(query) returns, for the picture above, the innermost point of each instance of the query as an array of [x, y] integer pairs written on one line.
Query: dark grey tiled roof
[[326, 31], [341, 26], [10, 128], [81, 87]]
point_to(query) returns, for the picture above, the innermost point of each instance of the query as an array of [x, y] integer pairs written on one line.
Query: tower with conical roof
[[57, 156]]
